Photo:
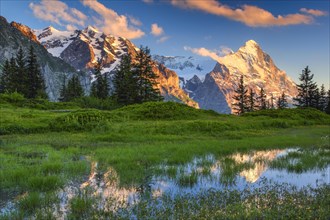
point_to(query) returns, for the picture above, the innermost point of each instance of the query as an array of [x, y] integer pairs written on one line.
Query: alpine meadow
[[153, 109]]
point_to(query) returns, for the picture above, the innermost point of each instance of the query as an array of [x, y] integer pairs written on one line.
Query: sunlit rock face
[[259, 161], [259, 71]]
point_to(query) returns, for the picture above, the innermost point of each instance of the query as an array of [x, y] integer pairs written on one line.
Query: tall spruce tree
[[262, 102], [125, 82], [5, 78], [100, 87], [36, 86], [72, 90], [251, 101], [282, 102], [146, 78], [20, 75], [327, 108], [306, 89], [323, 99], [241, 98]]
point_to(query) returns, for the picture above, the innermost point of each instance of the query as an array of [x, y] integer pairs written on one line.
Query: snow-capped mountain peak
[[258, 69]]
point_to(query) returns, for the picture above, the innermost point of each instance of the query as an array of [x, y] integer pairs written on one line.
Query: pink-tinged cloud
[[112, 23], [58, 12], [163, 39], [156, 30], [313, 12], [215, 54], [204, 52], [148, 1], [252, 16]]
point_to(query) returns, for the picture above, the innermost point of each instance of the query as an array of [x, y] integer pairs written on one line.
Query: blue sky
[[294, 33]]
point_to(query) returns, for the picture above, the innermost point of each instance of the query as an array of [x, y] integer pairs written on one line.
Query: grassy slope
[[43, 150]]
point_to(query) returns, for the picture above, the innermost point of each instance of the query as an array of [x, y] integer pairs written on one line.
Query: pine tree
[[315, 101], [323, 99], [20, 76], [282, 102], [36, 86], [251, 101], [125, 83], [306, 89], [327, 108], [146, 78], [5, 78], [100, 88], [241, 98], [72, 90], [262, 99]]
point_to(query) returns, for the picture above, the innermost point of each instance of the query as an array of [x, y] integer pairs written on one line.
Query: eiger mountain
[[68, 52], [258, 69]]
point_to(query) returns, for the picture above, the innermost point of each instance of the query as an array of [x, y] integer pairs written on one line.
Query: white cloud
[[112, 22], [57, 12], [213, 54], [156, 30], [148, 1], [313, 12], [252, 16], [135, 21], [70, 27], [163, 39]]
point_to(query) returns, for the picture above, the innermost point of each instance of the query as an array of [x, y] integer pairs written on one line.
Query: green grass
[[45, 148]]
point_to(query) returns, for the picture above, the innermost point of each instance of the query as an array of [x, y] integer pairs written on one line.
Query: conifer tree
[[146, 78], [262, 99], [251, 101], [241, 98], [327, 108], [36, 86], [323, 99], [72, 90], [5, 78], [306, 89], [282, 102], [100, 88], [125, 83], [20, 76]]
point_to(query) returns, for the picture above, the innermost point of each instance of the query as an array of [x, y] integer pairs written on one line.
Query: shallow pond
[[234, 178], [243, 170]]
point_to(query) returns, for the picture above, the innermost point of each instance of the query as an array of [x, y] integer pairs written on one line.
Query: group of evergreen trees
[[22, 74], [247, 100], [309, 95], [134, 82]]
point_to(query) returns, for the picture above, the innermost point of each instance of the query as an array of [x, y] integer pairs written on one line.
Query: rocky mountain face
[[258, 69], [14, 35], [84, 48]]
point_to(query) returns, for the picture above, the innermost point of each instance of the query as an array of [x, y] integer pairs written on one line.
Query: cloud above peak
[[156, 30], [213, 54], [113, 23], [252, 16], [58, 12]]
